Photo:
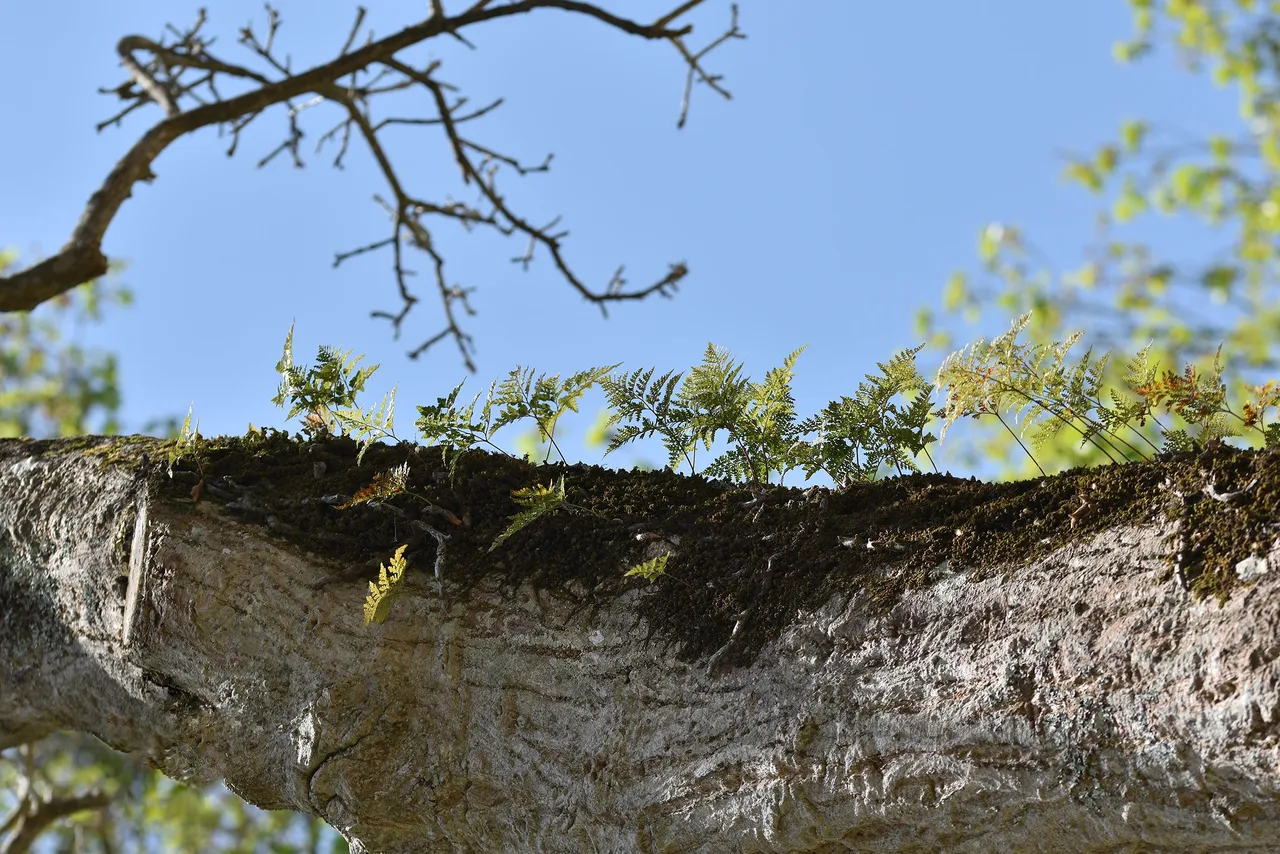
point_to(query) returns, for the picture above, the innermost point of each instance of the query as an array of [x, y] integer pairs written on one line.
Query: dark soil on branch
[[770, 554]]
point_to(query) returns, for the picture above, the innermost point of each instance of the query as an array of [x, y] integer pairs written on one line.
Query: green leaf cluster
[[850, 439], [326, 394], [650, 570], [1041, 386], [523, 394], [857, 436], [50, 384], [758, 419]]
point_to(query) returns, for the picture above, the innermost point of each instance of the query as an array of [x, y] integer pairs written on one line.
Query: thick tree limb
[[1082, 703], [157, 75]]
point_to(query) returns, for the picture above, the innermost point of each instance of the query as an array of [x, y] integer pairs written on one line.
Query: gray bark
[[1083, 703]]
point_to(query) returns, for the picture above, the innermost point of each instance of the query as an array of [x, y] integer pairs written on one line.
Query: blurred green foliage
[[1128, 292], [52, 385]]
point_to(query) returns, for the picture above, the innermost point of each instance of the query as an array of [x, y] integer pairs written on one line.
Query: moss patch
[[770, 555]]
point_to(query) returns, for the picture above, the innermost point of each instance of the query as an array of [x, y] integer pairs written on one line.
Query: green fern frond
[[715, 395], [366, 427], [651, 570], [855, 436], [538, 501], [635, 397], [544, 399], [455, 427], [327, 393], [1139, 372], [759, 418], [188, 439], [377, 606], [1177, 440]]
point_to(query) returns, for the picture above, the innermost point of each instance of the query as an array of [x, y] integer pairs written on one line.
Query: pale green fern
[[650, 570], [856, 436], [1038, 385], [326, 393], [537, 501]]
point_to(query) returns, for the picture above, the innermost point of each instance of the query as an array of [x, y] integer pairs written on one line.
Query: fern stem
[[1142, 436], [552, 444], [1047, 405], [1018, 439], [1097, 427]]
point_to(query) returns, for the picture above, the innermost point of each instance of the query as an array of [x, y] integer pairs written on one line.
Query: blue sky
[[866, 145]]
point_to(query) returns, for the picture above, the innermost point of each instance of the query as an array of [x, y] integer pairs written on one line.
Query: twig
[[161, 73]]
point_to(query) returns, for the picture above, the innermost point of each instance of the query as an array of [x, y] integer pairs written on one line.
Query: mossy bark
[[923, 664]]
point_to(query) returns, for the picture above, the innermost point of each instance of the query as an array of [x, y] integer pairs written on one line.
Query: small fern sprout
[[326, 395], [384, 592], [537, 501], [187, 441], [386, 484], [1254, 413], [650, 570]]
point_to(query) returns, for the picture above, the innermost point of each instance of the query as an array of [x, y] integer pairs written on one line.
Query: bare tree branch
[[182, 76], [35, 816]]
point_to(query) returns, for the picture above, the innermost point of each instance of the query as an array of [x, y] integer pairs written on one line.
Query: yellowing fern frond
[[385, 484], [381, 594]]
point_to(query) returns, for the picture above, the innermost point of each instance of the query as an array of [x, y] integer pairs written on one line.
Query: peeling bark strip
[[1085, 702]]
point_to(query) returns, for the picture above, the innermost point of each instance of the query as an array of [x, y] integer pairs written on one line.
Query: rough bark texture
[[1082, 702]]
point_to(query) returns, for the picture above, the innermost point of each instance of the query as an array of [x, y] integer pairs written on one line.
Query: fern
[[1199, 400], [383, 593], [326, 393], [1040, 385], [523, 394], [187, 441], [764, 436], [856, 436], [366, 427], [1037, 385], [651, 570], [537, 501], [455, 427], [758, 418], [714, 396], [543, 399], [646, 408], [386, 484], [1254, 413]]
